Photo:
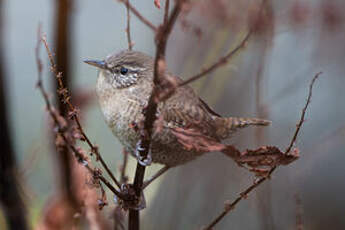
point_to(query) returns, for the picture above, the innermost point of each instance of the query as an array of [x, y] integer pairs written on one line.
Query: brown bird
[[124, 85]]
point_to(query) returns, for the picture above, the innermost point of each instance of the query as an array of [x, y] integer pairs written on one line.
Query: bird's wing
[[184, 109], [208, 109]]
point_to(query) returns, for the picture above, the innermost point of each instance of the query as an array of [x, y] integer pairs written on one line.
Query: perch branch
[[150, 112]]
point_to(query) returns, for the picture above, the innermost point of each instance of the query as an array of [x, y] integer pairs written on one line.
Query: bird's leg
[[155, 176]]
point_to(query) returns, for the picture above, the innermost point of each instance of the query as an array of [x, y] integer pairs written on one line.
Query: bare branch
[[123, 167], [81, 158], [230, 206], [155, 176], [150, 112], [128, 29], [139, 16], [299, 124], [73, 112], [221, 61]]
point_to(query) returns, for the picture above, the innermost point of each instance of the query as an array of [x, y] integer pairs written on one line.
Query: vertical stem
[[150, 113], [10, 198], [62, 44]]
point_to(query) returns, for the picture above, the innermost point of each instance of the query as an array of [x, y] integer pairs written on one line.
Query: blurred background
[[293, 41]]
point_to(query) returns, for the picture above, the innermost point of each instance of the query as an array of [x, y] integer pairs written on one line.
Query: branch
[[231, 205], [166, 11], [123, 167], [57, 119], [150, 112], [221, 61], [139, 16], [299, 124], [73, 112], [62, 34], [155, 176], [128, 29]]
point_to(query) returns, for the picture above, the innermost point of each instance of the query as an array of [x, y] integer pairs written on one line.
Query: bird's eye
[[123, 70]]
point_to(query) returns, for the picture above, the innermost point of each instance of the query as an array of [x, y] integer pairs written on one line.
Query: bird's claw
[[142, 160]]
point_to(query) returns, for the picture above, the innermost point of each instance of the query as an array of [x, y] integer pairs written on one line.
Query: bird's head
[[124, 69]]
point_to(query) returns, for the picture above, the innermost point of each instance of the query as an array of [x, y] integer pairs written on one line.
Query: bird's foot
[[142, 160]]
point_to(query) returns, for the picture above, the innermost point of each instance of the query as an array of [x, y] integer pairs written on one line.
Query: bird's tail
[[226, 126]]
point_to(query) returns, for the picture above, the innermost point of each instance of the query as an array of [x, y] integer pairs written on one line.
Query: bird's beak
[[98, 64]]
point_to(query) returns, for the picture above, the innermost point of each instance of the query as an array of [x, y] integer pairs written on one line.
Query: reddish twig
[[81, 158], [230, 206], [73, 112], [150, 112], [128, 29], [221, 61], [299, 124], [139, 16]]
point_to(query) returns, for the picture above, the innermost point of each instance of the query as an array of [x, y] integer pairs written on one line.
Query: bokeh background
[[268, 79]]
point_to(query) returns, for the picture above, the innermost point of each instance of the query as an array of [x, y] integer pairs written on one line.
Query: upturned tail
[[227, 126]]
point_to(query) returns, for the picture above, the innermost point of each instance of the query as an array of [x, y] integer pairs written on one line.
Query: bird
[[123, 87]]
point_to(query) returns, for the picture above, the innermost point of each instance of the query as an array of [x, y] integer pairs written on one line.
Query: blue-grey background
[[189, 196]]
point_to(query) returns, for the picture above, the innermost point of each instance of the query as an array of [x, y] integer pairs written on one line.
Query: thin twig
[[299, 124], [60, 128], [139, 16], [73, 111], [221, 61], [155, 176], [244, 194], [128, 29], [123, 167]]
